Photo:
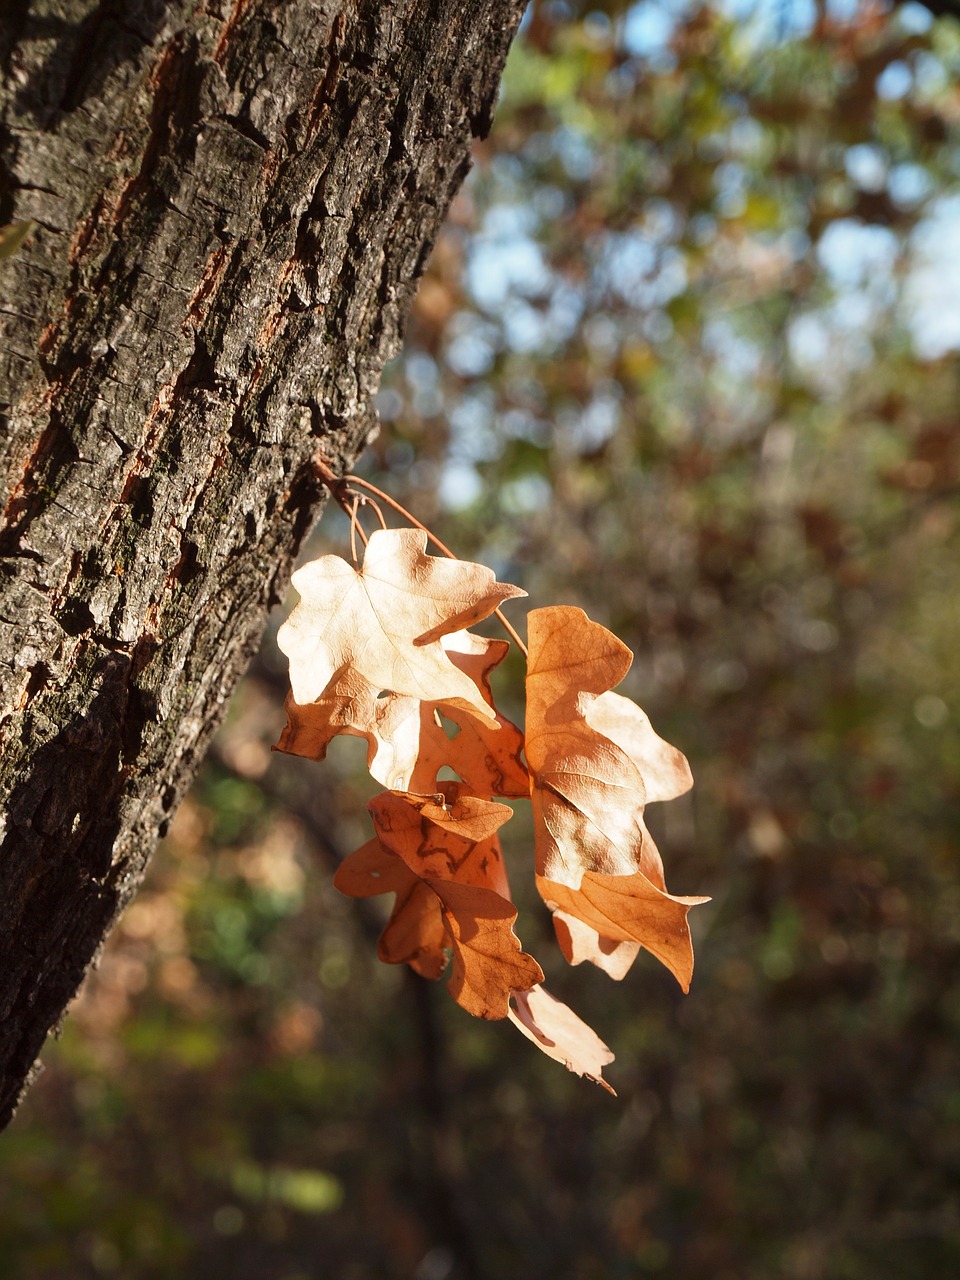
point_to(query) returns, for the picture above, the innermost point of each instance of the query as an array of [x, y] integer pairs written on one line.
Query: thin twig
[[338, 488], [355, 528], [369, 502]]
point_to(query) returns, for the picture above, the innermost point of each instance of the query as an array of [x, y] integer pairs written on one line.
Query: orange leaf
[[449, 840], [407, 743], [557, 1031], [385, 623], [622, 910], [488, 963], [441, 856], [587, 795], [415, 933], [487, 758], [594, 762], [444, 836]]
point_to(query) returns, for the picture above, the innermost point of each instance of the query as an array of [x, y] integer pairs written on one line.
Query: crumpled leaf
[[588, 793], [557, 1031], [579, 942], [440, 835], [441, 856], [624, 910], [407, 743], [595, 761], [415, 933], [385, 623]]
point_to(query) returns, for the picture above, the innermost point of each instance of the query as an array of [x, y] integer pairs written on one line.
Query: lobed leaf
[[384, 624], [407, 744], [594, 762], [382, 654], [415, 933], [614, 910], [441, 856]]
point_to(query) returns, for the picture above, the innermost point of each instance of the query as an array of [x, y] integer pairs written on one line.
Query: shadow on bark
[[58, 896]]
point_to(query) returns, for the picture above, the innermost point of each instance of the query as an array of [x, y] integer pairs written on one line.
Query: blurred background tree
[[686, 355]]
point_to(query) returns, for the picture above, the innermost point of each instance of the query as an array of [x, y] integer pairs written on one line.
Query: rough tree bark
[[233, 201]]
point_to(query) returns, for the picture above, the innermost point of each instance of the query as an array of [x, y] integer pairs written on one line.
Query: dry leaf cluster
[[384, 653]]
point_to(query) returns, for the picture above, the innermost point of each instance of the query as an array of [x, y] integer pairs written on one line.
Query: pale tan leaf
[[557, 1031], [579, 942], [665, 771], [385, 622]]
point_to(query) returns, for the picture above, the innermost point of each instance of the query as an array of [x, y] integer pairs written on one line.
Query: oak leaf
[[488, 963], [664, 770], [384, 623], [414, 934], [407, 744], [441, 856], [579, 942], [557, 1031], [588, 792], [487, 757], [595, 761], [608, 917]]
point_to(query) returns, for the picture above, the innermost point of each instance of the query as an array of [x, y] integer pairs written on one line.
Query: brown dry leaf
[[445, 845], [488, 963], [579, 942], [385, 623], [415, 933], [487, 758], [626, 910], [595, 761], [443, 836], [665, 771], [557, 1031], [407, 743], [588, 792]]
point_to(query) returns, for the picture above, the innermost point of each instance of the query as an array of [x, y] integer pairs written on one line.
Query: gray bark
[[233, 201]]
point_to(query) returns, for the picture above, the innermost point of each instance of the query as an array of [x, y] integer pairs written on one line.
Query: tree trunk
[[233, 201]]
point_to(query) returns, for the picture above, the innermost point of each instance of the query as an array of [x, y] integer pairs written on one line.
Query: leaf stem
[[376, 508], [355, 528], [340, 491]]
